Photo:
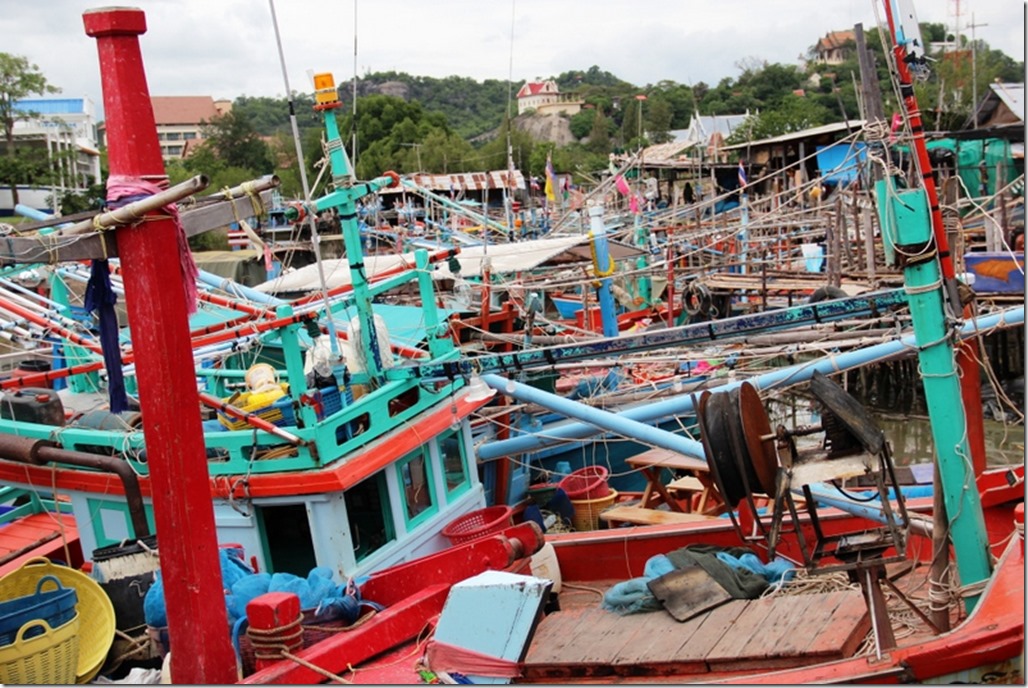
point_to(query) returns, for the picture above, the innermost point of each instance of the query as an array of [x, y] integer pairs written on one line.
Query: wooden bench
[[647, 517], [688, 486]]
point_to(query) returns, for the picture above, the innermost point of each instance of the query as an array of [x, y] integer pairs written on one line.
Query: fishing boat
[[665, 603]]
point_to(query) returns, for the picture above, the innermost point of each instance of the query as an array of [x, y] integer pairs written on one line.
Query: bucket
[[587, 511], [586, 483]]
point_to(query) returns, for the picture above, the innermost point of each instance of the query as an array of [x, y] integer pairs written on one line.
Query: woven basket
[[587, 511], [44, 659], [478, 523], [94, 608]]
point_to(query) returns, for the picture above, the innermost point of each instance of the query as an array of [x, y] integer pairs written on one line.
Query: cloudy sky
[[227, 48]]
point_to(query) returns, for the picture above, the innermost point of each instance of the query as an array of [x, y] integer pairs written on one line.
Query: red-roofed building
[[179, 120], [545, 98], [833, 48]]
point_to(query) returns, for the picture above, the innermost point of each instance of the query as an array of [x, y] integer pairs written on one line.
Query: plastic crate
[[327, 401], [258, 405]]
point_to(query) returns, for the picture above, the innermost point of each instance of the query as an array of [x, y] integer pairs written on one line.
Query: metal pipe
[[40, 452], [598, 418], [683, 405]]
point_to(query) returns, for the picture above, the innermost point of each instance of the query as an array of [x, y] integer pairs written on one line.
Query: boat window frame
[[429, 480], [461, 440], [392, 535]]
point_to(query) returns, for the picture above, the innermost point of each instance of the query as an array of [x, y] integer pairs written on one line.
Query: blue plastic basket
[[56, 607]]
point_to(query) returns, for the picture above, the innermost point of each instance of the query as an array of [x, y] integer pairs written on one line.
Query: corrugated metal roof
[[1012, 96], [465, 181], [805, 133]]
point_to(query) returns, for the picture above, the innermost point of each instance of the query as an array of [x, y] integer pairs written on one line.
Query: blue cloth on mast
[[100, 298]]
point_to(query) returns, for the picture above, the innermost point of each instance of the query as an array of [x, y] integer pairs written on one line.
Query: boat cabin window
[[287, 538], [451, 449], [371, 525], [416, 482]]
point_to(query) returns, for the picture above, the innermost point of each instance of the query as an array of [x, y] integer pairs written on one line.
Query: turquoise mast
[[344, 199]]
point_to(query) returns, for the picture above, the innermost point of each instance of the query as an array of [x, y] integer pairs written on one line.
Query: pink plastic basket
[[586, 483], [476, 524]]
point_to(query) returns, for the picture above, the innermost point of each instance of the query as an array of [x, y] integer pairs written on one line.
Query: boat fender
[[697, 299]]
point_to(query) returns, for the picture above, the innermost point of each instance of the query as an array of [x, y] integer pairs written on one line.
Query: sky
[[228, 48]]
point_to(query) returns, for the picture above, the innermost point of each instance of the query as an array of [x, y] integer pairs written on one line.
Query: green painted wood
[[938, 371]]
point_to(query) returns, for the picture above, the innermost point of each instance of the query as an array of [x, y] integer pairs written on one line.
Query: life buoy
[[697, 299]]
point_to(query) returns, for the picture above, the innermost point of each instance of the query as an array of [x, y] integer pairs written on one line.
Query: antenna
[[312, 220]]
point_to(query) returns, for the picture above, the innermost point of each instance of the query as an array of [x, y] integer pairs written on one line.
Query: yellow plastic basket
[[94, 608], [44, 659]]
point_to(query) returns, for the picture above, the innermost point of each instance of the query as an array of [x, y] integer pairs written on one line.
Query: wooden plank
[[795, 638], [608, 635], [792, 613], [748, 625], [663, 642], [57, 248], [641, 516], [845, 629], [554, 634], [713, 626]]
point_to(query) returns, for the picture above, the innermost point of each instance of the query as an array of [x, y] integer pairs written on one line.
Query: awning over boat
[[503, 258], [337, 274], [529, 255]]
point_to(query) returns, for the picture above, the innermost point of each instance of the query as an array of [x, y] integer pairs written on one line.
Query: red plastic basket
[[586, 483], [475, 524]]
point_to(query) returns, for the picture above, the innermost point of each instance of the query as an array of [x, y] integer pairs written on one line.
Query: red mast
[[156, 303]]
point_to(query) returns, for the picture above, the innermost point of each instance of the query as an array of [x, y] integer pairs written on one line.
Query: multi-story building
[[180, 121], [67, 129]]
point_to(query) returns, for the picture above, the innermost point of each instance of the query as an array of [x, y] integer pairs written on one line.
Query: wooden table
[[653, 461]]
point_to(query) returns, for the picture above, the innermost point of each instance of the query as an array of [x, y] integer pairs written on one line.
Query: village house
[[545, 98]]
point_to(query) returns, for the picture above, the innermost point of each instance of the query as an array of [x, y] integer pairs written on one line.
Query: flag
[[742, 176], [534, 183], [551, 180], [622, 185]]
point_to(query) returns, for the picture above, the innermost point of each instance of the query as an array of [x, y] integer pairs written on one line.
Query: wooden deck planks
[[844, 631], [773, 632], [797, 636]]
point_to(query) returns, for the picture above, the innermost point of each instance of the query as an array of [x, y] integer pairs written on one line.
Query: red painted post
[[201, 649], [971, 393], [274, 620]]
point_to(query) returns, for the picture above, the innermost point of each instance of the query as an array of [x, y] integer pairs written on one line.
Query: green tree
[[20, 78], [233, 138], [599, 135]]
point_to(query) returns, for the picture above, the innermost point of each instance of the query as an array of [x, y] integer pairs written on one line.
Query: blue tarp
[[840, 163]]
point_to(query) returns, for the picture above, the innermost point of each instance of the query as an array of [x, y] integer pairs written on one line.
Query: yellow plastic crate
[[261, 404]]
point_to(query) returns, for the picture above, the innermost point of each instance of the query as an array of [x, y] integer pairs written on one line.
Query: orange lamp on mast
[[326, 97]]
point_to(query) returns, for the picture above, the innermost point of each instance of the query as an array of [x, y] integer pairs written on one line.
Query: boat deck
[[37, 535], [583, 640]]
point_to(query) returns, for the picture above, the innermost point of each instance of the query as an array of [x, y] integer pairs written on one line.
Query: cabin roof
[[803, 134], [169, 110], [1010, 95]]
